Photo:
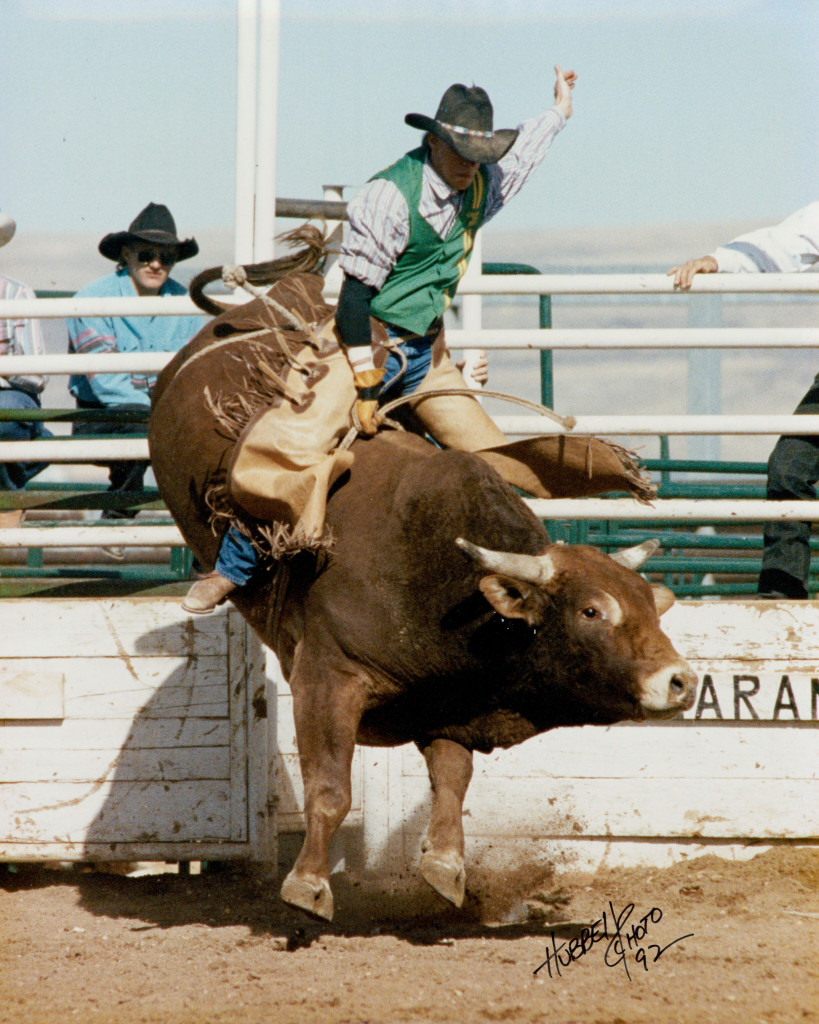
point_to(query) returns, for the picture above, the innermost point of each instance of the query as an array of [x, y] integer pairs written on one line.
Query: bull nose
[[682, 689], [669, 690]]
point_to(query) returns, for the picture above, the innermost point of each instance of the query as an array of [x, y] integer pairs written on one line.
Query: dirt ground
[[220, 947]]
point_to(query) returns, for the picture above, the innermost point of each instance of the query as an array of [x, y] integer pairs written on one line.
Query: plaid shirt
[[378, 216], [20, 337]]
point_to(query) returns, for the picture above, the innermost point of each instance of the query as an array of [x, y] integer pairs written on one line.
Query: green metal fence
[[699, 558]]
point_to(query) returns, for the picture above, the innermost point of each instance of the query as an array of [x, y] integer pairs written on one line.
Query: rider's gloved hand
[[368, 386]]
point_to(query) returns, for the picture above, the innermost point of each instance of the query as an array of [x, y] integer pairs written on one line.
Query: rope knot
[[234, 276]]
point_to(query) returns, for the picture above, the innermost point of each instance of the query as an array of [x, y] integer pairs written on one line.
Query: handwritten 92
[[622, 942]]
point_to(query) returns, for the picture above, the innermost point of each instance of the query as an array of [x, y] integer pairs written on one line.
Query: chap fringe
[[272, 541]]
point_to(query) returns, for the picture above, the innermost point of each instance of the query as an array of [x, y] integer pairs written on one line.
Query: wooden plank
[[752, 783], [119, 733], [38, 851], [117, 687], [154, 749], [237, 676], [784, 691], [782, 809], [698, 752], [274, 672], [31, 694], [263, 821], [286, 731], [507, 858], [116, 812], [745, 630], [90, 766], [114, 628]]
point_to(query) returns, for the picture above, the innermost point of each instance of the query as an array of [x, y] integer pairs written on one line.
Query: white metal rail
[[489, 284], [92, 536], [85, 450], [82, 450]]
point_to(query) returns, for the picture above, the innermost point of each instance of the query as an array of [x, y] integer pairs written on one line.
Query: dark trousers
[[793, 470], [15, 475], [123, 475]]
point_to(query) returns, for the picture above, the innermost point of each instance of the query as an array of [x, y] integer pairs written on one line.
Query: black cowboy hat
[[153, 224], [464, 122]]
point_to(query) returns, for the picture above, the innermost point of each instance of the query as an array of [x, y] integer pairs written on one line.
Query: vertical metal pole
[[333, 276], [547, 390], [266, 131], [246, 43], [704, 374], [472, 312]]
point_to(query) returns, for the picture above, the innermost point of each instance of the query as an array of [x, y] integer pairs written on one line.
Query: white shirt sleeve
[[792, 246], [378, 232], [508, 176]]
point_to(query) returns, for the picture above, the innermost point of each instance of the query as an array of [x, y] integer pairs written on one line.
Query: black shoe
[[782, 585]]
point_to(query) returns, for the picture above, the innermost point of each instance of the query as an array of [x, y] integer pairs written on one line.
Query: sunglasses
[[167, 259]]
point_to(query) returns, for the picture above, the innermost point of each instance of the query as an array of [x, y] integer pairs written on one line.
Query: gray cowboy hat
[[464, 122], [153, 224]]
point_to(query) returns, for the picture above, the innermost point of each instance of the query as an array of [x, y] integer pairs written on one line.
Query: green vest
[[423, 281]]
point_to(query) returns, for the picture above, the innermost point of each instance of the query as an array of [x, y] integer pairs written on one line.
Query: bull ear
[[663, 597], [513, 599]]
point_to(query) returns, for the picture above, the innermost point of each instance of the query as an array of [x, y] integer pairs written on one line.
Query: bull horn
[[633, 558], [528, 568]]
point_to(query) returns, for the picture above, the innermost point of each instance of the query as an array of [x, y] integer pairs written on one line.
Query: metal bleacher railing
[[711, 510], [709, 529]]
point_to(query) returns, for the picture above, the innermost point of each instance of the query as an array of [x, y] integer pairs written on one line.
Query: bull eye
[[589, 613]]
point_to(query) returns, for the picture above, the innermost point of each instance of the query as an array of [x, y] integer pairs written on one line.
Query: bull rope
[[627, 460], [567, 422]]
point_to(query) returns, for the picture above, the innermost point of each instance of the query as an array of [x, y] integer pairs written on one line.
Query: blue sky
[[684, 111]]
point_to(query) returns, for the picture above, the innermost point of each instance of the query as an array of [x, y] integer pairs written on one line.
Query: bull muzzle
[[669, 690]]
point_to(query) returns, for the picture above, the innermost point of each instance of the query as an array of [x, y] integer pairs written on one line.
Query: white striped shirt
[[20, 337], [379, 222]]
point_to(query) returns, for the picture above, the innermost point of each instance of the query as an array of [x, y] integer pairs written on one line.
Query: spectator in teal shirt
[[145, 255]]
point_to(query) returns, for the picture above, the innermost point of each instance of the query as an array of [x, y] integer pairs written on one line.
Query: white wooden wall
[[130, 730]]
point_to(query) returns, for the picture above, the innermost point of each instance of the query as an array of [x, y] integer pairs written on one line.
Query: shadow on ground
[[231, 898]]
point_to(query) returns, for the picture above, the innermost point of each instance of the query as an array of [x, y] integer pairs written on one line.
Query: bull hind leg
[[442, 857], [327, 712]]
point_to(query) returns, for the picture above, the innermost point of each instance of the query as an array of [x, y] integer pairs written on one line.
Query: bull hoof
[[309, 893], [446, 874]]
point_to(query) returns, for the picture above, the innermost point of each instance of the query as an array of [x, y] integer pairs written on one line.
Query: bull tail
[[198, 285], [314, 248]]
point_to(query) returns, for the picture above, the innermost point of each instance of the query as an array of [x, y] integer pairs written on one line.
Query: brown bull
[[440, 615]]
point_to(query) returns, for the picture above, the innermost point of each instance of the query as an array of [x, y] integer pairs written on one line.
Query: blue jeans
[[15, 475], [237, 557], [418, 353]]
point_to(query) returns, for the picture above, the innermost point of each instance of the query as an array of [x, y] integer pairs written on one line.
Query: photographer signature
[[621, 942]]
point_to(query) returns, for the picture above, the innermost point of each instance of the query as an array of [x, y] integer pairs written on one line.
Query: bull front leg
[[442, 858], [327, 707]]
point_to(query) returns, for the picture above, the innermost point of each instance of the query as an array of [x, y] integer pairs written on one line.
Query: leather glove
[[367, 385]]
